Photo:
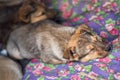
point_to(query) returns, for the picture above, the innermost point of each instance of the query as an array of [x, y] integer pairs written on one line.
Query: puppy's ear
[[82, 28], [71, 54], [66, 54], [24, 12]]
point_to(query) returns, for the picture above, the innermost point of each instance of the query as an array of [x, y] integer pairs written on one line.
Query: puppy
[[28, 11], [9, 70], [54, 43], [32, 11], [85, 45]]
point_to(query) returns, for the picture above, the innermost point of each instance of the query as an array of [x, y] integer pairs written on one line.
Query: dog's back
[[32, 40], [9, 70]]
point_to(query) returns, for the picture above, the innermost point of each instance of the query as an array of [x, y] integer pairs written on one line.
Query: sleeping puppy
[[9, 70], [32, 11], [54, 43], [85, 45]]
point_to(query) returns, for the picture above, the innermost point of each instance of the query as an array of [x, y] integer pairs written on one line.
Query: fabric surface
[[101, 15]]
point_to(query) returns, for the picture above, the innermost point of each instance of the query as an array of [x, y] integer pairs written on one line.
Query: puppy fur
[[33, 10], [51, 43], [9, 70]]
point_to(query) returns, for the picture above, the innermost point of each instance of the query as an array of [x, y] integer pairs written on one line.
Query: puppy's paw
[[84, 60]]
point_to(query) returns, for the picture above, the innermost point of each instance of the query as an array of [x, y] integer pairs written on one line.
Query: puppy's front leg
[[13, 50], [55, 61], [90, 56]]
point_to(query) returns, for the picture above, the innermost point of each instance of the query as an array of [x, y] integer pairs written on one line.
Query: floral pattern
[[103, 16]]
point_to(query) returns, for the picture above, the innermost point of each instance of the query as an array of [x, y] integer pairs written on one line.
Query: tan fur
[[9, 70], [32, 11], [74, 38], [54, 43]]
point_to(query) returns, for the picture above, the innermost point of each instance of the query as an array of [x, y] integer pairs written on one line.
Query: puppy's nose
[[109, 47]]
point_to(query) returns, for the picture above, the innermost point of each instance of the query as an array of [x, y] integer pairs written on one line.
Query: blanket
[[101, 15]]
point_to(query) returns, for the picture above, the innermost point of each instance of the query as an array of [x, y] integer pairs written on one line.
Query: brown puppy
[[9, 70], [54, 43], [32, 11]]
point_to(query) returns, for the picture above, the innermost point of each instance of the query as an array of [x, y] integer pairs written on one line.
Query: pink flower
[[75, 2], [110, 70], [34, 60], [37, 72], [67, 14], [109, 27], [97, 10], [64, 6], [39, 66], [63, 73], [86, 78], [115, 41], [75, 19], [70, 63], [99, 18], [114, 31], [79, 68], [105, 60], [29, 68], [93, 74], [118, 59], [94, 1], [118, 47], [75, 77], [103, 34], [51, 77], [106, 4], [89, 7], [85, 19], [114, 4], [118, 22], [46, 68], [101, 65], [117, 76]]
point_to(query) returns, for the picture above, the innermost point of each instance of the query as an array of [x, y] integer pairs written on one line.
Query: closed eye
[[90, 50], [89, 33], [86, 53], [86, 32]]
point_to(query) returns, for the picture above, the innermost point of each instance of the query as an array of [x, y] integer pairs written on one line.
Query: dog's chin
[[88, 57], [84, 60]]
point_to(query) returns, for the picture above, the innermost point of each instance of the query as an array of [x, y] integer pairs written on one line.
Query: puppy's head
[[85, 45], [32, 11]]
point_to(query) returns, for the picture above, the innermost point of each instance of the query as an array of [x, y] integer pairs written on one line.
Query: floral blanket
[[103, 16]]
